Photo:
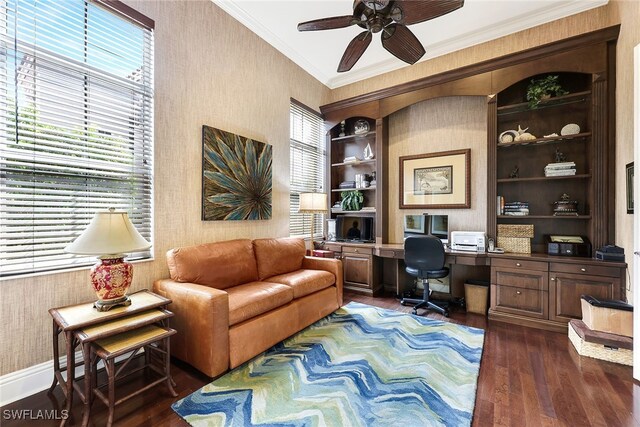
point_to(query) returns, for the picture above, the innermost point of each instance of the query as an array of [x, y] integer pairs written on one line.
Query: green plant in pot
[[351, 200], [543, 88]]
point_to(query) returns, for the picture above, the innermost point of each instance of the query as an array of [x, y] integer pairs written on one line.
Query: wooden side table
[[153, 339], [82, 324]]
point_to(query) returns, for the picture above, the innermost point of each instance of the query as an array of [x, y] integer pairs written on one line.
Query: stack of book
[[560, 169], [516, 208]]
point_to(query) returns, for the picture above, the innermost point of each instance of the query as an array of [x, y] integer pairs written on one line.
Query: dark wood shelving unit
[[544, 178], [358, 163], [556, 101], [340, 190], [554, 217], [354, 136], [550, 140]]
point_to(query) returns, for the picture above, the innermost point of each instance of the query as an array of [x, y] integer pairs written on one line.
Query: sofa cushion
[[255, 298], [305, 282], [278, 256], [219, 265]]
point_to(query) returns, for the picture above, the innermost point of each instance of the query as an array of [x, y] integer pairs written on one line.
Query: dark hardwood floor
[[528, 377]]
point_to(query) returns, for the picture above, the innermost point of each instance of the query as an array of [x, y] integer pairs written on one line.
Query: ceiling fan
[[389, 16]]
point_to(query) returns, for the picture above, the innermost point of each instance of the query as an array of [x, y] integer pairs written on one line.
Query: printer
[[470, 241]]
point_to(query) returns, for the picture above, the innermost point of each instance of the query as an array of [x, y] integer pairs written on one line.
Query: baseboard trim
[[26, 382]]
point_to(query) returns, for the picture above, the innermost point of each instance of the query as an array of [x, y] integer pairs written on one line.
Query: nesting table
[[84, 326]]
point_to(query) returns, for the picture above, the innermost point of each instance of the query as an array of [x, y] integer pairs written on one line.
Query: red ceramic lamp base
[[111, 278]]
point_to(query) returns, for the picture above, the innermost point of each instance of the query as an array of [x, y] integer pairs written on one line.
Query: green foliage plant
[[543, 88], [351, 200]]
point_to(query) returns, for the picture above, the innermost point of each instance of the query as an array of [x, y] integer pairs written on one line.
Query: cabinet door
[[358, 270], [565, 291]]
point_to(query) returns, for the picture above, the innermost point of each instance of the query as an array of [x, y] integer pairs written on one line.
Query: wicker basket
[[610, 353], [515, 230], [517, 245]]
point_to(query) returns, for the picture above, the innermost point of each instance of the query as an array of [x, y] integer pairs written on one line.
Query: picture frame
[[630, 175], [439, 180]]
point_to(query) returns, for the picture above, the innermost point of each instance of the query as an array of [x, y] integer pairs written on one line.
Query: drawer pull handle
[[583, 269], [518, 264], [518, 292], [356, 251], [553, 279]]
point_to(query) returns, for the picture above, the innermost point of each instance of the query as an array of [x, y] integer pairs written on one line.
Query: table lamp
[[313, 203], [110, 234]]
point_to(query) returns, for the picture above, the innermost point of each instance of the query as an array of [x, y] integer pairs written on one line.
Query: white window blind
[[307, 167], [76, 127]]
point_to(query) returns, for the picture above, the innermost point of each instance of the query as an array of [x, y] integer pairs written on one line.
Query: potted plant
[[351, 200], [543, 88]]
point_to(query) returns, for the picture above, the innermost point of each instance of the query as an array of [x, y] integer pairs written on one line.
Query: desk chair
[[424, 258]]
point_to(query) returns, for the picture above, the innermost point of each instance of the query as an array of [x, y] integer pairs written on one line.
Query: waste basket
[[476, 296]]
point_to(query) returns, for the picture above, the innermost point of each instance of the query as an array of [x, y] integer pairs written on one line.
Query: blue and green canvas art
[[236, 176]]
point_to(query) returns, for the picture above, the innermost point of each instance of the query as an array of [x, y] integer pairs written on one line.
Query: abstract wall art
[[236, 177]]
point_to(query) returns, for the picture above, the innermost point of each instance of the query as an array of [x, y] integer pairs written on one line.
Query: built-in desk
[[536, 289], [368, 267]]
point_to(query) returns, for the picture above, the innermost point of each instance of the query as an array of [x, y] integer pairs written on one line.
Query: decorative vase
[[111, 278]]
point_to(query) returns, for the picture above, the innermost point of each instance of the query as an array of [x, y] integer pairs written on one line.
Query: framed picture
[[630, 188], [436, 180], [236, 177]]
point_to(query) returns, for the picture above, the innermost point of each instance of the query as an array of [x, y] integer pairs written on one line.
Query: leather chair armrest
[[202, 321], [331, 265]]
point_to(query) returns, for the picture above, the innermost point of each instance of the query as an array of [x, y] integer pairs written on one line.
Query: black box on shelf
[[567, 245]]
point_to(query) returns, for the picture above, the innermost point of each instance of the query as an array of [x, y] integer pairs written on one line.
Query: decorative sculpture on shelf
[[342, 125], [515, 173], [368, 152], [560, 157]]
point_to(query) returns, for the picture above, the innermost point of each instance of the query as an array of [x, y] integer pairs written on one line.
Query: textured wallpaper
[[440, 124]]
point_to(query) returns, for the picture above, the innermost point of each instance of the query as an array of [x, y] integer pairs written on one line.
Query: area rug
[[360, 366]]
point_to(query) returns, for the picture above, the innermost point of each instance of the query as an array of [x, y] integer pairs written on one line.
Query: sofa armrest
[[331, 265], [201, 317]]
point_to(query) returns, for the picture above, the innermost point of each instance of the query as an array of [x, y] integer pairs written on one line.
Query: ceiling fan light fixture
[[389, 17]]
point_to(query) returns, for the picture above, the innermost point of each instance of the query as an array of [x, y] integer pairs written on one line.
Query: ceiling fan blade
[[327, 23], [402, 43], [418, 11], [354, 51]]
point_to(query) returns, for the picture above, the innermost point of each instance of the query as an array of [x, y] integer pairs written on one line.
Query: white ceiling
[[319, 52]]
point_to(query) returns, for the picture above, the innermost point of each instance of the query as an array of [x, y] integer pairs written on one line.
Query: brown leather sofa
[[233, 300]]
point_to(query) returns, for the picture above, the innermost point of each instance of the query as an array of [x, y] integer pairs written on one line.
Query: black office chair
[[424, 258]]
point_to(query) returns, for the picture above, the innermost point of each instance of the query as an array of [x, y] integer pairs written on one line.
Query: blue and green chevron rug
[[360, 366]]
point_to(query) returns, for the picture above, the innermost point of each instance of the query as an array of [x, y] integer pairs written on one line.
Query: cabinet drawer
[[357, 250], [391, 253], [525, 279], [333, 247], [518, 263], [527, 302], [590, 269]]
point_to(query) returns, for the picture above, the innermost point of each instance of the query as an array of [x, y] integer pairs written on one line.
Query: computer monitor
[[436, 225], [439, 227]]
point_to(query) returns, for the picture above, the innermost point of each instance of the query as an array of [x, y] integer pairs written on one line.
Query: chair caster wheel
[[414, 312], [446, 314], [402, 303]]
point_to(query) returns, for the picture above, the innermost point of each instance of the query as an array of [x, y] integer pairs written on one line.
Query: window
[[306, 166], [76, 126]]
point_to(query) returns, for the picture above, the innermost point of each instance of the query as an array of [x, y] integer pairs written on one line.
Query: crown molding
[[471, 38]]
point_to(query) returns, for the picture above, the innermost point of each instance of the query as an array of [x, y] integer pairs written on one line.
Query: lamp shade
[[313, 203], [109, 233]]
